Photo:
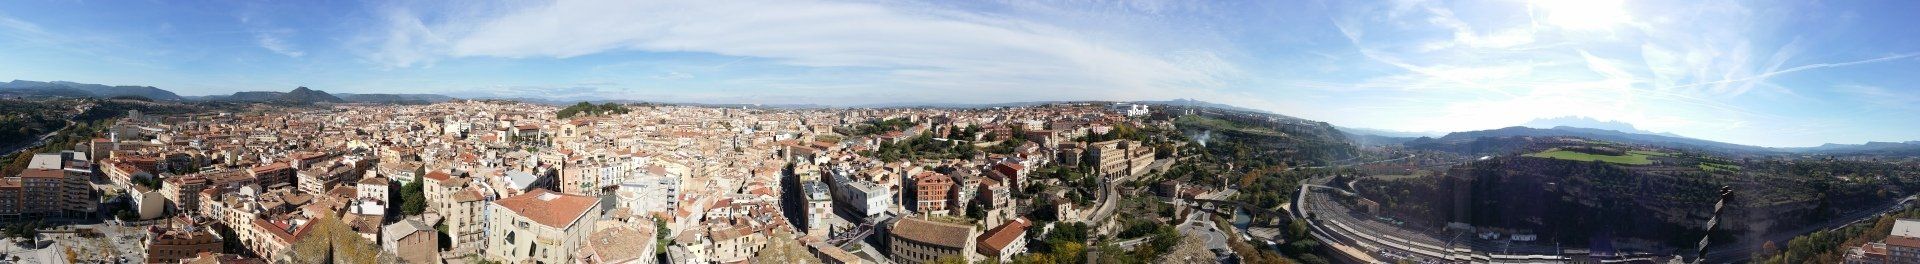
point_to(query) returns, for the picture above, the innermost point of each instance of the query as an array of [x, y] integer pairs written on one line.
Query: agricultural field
[[1631, 158], [1713, 167]]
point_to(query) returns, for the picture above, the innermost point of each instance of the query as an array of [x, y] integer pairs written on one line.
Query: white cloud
[[673, 75], [273, 42], [19, 25], [1880, 96], [942, 52]]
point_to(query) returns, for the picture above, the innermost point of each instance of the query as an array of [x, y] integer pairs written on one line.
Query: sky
[[1767, 73]]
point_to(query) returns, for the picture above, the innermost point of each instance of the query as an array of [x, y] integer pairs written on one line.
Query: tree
[[414, 197], [127, 215], [1769, 249], [26, 230], [1044, 210], [975, 211]]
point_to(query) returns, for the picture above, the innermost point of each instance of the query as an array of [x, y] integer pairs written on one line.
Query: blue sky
[[1770, 73]]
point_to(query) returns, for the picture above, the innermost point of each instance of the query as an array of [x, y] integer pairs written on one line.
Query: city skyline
[[1778, 74]]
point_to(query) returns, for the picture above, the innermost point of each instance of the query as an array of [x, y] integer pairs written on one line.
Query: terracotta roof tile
[[1902, 241], [931, 232], [42, 173], [549, 208], [998, 238], [438, 176]]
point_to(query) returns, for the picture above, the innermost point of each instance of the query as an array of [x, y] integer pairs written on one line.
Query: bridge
[[1275, 217], [858, 233]]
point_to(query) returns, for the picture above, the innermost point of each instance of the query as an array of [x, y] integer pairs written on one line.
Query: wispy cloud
[[20, 26], [1768, 74], [1881, 96], [672, 75], [274, 42], [944, 52]]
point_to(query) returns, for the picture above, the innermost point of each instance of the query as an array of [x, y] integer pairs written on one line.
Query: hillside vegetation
[[590, 109]]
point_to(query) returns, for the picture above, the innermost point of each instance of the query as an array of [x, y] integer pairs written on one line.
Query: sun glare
[[1582, 14]]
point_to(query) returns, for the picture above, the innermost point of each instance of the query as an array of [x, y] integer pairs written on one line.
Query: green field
[[1649, 153], [1632, 158], [1712, 167]]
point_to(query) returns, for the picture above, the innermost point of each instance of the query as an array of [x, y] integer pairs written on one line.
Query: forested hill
[[23, 88], [1283, 139]]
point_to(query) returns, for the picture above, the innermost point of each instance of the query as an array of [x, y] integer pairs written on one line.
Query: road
[[1108, 201], [1198, 224], [77, 110]]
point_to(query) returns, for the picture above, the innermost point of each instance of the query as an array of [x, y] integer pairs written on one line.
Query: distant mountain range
[[1198, 103], [1588, 122], [1585, 127], [1387, 133], [302, 95], [72, 89], [1570, 126], [1609, 135], [394, 98], [1909, 148]]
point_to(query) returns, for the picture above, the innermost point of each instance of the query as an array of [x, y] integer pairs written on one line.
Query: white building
[[650, 194], [1131, 109], [374, 188], [148, 203], [865, 197]]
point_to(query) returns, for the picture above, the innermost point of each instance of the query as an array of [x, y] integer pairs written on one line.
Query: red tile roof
[[438, 176], [1902, 241], [932, 232], [998, 238], [270, 167], [279, 229], [549, 208], [42, 173]]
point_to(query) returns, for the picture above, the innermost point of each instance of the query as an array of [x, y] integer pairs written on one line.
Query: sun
[[1581, 14]]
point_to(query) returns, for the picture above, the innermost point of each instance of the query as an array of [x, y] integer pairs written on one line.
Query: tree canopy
[[590, 109]]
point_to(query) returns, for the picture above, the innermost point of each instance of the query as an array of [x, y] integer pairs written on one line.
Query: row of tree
[[590, 109]]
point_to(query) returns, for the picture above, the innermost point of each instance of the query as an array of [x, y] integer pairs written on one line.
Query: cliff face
[[1578, 202]]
